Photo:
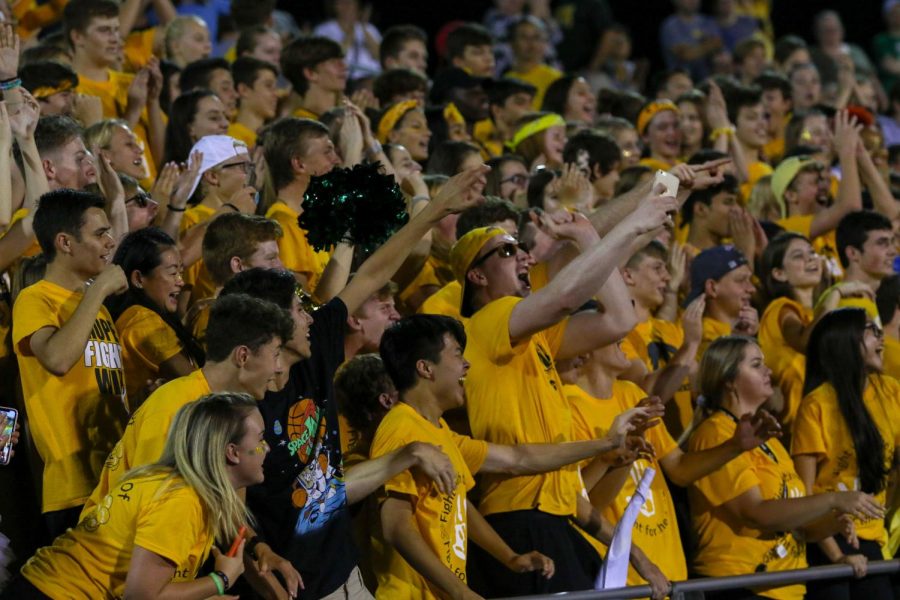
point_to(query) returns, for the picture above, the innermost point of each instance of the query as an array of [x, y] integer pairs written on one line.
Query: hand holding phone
[[8, 437], [669, 181]]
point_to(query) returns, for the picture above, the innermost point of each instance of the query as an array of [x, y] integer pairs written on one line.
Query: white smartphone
[[9, 427], [668, 180]]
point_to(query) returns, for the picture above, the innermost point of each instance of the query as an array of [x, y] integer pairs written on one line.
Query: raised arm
[[461, 192], [526, 459], [59, 349], [368, 476], [849, 199], [577, 282]]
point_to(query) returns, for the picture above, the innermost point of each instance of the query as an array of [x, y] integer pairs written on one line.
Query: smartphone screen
[[8, 427]]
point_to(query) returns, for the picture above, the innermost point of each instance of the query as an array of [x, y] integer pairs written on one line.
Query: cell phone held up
[[9, 427], [669, 181]]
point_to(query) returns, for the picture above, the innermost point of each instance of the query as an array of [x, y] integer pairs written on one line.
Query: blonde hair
[[762, 203], [195, 453], [718, 368], [177, 27], [99, 135]]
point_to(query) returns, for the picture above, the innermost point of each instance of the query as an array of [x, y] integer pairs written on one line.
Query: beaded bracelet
[[224, 578], [220, 585], [10, 84]]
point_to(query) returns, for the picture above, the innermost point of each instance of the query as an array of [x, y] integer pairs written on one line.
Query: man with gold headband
[[52, 84], [658, 125]]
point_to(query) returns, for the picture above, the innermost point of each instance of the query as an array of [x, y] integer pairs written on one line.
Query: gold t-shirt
[[656, 529], [446, 301], [164, 516], [75, 419], [726, 545], [514, 396], [146, 433], [196, 276], [295, 251], [441, 519], [788, 366], [147, 342], [820, 430]]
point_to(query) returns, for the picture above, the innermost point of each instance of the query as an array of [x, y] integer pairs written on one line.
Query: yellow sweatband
[[651, 110], [452, 114], [45, 91], [536, 126], [392, 116]]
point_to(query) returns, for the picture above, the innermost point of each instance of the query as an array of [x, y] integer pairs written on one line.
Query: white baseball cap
[[216, 149]]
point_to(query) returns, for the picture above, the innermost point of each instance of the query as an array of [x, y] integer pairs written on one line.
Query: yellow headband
[[46, 91], [536, 126], [651, 110], [392, 116], [452, 114]]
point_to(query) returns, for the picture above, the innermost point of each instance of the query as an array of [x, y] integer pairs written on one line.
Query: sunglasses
[[142, 199], [306, 301], [503, 251]]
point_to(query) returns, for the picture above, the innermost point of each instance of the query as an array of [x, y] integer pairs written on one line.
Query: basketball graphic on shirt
[[304, 427]]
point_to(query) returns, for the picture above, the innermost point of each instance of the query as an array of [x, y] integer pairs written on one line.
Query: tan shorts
[[352, 589]]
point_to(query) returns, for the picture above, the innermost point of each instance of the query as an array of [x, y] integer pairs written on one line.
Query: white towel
[[614, 572]]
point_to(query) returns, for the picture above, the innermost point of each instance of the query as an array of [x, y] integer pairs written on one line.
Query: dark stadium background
[[862, 18]]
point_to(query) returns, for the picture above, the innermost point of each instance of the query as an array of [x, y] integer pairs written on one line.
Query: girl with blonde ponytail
[[150, 535]]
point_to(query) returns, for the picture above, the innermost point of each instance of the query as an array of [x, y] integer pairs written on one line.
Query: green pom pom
[[359, 205]]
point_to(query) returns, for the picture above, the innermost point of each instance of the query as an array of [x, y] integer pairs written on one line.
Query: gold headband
[[651, 110], [536, 126], [45, 91], [392, 116], [452, 114]]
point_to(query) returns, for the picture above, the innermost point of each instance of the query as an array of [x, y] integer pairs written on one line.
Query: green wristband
[[220, 585]]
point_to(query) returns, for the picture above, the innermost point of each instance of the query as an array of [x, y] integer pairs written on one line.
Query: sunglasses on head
[[306, 301], [503, 251]]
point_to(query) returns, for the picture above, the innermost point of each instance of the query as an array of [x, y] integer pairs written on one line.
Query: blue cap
[[713, 263]]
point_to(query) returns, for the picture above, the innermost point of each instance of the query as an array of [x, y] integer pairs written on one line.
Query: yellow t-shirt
[[295, 251], [826, 245], [788, 366], [891, 357], [32, 16], [446, 301], [655, 163], [654, 342], [302, 113], [75, 419], [147, 342], [196, 276], [92, 560], [755, 171], [34, 249], [425, 277], [540, 76], [485, 134], [239, 131], [820, 430], [145, 436], [139, 49], [774, 150], [197, 319], [441, 519], [713, 329], [656, 529], [514, 396], [726, 545], [113, 94]]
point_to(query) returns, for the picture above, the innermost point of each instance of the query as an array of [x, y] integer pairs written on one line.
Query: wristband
[[720, 131], [177, 209], [231, 206], [220, 585], [419, 198], [224, 578], [10, 84]]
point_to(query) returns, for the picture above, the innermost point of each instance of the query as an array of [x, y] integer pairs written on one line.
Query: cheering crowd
[[286, 313]]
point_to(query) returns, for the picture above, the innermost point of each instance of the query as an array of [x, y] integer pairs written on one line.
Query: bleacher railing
[[753, 580]]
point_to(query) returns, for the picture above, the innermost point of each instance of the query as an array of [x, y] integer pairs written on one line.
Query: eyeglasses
[[306, 301], [245, 166], [503, 251], [877, 331], [142, 199], [517, 179]]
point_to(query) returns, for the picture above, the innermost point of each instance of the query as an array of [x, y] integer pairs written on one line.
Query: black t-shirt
[[301, 507]]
